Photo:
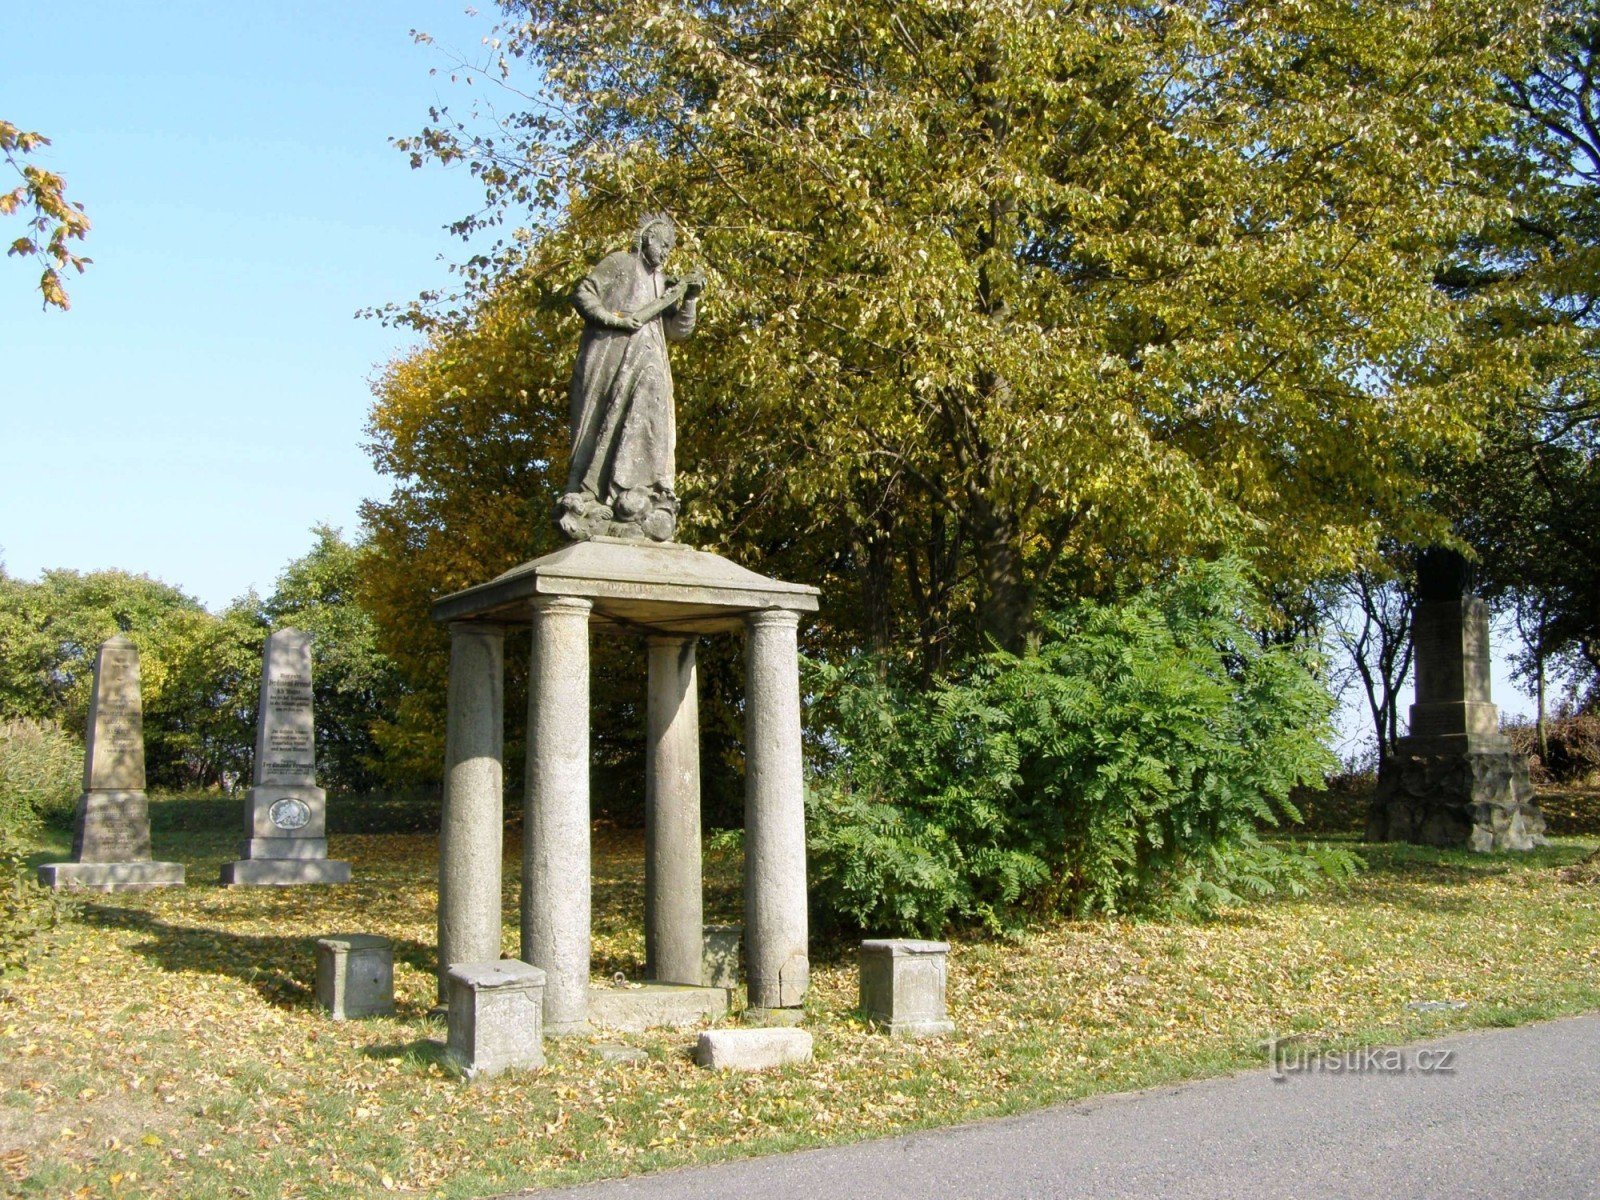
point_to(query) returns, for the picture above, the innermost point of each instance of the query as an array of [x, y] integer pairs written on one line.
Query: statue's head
[[655, 238]]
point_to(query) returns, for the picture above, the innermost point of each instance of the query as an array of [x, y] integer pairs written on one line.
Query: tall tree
[[1016, 300]]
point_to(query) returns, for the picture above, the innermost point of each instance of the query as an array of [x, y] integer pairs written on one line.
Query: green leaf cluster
[[1127, 762]]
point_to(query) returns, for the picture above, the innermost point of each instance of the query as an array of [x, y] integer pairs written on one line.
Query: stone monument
[[1454, 780], [623, 575], [285, 813], [111, 836]]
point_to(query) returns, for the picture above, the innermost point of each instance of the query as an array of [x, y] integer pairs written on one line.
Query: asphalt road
[[1504, 1113]]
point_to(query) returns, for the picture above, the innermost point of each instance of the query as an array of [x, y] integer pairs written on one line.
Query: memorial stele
[[111, 832], [285, 812], [1455, 779], [623, 575]]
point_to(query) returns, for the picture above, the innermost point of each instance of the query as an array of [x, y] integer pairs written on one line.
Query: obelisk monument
[[285, 813], [111, 835]]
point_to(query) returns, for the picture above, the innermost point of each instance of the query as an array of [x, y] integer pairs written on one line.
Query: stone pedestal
[[355, 976], [1455, 780], [285, 813], [111, 832], [672, 595], [903, 986], [496, 1017]]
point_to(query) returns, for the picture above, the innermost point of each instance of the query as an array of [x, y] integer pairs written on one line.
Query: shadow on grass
[[281, 969], [419, 1052]]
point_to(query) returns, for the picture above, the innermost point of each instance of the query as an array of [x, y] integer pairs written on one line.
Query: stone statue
[[620, 483]]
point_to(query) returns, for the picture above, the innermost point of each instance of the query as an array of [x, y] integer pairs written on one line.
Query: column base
[[1474, 797], [283, 872], [774, 1018], [112, 877]]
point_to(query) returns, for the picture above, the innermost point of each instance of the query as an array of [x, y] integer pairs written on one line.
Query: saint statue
[[623, 428]]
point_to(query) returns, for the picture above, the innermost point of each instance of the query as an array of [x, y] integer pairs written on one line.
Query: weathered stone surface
[[777, 962], [471, 822], [496, 1020], [283, 872], [355, 974], [112, 877], [1455, 780], [285, 812], [624, 436], [673, 930], [752, 1049], [555, 852], [111, 830], [723, 961], [903, 986], [1476, 797], [655, 1006]]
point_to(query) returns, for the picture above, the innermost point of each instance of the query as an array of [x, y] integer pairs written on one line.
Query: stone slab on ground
[[655, 1006], [752, 1049], [112, 877], [283, 872]]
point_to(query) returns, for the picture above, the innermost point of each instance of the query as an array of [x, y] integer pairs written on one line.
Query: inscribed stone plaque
[[114, 757], [286, 751]]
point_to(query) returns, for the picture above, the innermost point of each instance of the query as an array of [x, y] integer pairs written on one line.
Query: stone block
[[655, 1006], [903, 986], [283, 872], [496, 1020], [1476, 798], [284, 847], [355, 974], [111, 826], [112, 877], [752, 1049], [722, 955]]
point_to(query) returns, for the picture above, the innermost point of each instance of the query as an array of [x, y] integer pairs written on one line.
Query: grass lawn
[[166, 1044]]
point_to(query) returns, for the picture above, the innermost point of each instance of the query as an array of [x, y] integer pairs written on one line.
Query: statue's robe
[[624, 433]]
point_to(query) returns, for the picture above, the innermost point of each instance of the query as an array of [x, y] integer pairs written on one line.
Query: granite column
[[673, 932], [555, 851], [472, 819]]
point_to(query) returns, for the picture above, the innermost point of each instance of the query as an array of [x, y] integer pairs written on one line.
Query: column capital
[[476, 628], [780, 618], [565, 606]]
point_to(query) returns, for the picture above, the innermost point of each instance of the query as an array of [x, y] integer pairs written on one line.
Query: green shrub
[[41, 773], [1129, 762]]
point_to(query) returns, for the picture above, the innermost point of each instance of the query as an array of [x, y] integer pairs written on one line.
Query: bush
[[26, 908], [41, 773], [1127, 763], [1574, 742]]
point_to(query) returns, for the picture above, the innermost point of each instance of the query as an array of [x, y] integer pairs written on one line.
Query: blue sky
[[202, 404]]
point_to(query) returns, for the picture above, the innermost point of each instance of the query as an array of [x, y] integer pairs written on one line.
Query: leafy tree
[[1011, 303], [53, 220]]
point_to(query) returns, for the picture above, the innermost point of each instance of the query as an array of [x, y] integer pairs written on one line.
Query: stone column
[[472, 821], [672, 893], [555, 848], [774, 814]]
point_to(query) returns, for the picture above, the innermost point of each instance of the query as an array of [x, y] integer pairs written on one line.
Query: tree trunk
[[1005, 609]]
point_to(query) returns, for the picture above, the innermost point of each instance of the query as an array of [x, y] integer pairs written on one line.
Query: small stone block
[[355, 975], [903, 986], [752, 1049], [773, 1018], [496, 1019], [655, 1006], [283, 872], [112, 877], [723, 944]]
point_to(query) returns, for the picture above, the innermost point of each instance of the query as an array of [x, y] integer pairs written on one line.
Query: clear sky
[[203, 403]]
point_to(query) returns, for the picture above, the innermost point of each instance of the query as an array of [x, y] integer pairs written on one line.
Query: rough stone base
[[283, 872], [655, 1006], [1479, 798], [112, 877]]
